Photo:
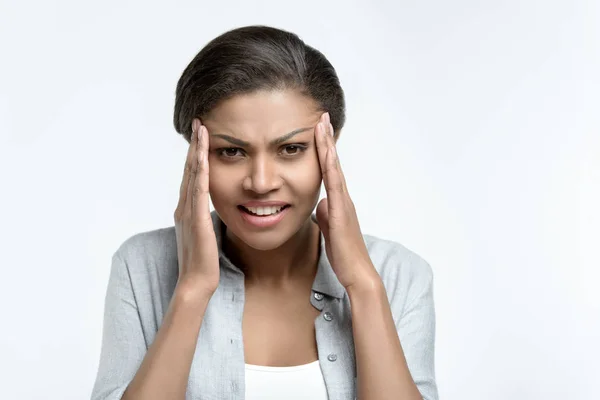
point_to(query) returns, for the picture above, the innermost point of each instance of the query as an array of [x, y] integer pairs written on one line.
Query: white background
[[472, 138]]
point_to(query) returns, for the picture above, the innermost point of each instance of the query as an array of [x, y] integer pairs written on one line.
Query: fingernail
[[326, 118], [331, 130]]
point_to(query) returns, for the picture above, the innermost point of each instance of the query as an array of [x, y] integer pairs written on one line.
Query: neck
[[282, 267]]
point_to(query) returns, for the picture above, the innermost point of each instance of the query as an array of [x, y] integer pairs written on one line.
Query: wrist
[[370, 285], [190, 291]]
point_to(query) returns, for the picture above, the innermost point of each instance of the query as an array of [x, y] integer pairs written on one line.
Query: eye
[[294, 149], [228, 152], [289, 151]]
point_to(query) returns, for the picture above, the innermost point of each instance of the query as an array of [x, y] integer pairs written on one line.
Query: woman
[[259, 299]]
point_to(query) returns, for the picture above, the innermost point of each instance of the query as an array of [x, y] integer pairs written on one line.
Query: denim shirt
[[142, 280]]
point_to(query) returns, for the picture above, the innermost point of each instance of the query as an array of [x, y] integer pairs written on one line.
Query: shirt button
[[318, 296], [328, 316], [332, 357]]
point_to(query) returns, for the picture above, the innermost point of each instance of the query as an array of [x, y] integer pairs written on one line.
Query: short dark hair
[[254, 58]]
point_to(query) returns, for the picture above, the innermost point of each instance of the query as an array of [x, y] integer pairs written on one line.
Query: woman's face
[[247, 163]]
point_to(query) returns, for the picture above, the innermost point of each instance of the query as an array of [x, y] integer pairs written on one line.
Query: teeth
[[264, 210]]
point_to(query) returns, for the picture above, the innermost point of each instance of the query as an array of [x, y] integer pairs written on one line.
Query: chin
[[262, 243]]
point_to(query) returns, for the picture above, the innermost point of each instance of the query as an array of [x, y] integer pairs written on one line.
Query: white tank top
[[298, 382]]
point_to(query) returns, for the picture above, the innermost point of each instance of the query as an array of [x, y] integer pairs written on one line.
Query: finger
[[187, 170], [322, 214], [200, 207], [330, 143], [321, 142], [333, 184], [193, 172], [337, 159]]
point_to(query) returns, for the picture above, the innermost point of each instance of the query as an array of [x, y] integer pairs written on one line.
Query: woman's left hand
[[337, 219]]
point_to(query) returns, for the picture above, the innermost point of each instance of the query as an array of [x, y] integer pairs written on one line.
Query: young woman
[[261, 299]]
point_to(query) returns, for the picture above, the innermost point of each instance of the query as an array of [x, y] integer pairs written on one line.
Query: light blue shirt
[[142, 280]]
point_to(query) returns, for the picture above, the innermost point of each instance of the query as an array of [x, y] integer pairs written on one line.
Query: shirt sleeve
[[123, 343], [416, 330]]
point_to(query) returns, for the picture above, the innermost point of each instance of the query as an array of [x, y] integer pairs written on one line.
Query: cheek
[[222, 182], [305, 176]]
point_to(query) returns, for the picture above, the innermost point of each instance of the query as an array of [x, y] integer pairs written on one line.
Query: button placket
[[318, 300], [335, 343]]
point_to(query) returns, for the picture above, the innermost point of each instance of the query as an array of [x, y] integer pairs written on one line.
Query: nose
[[263, 176]]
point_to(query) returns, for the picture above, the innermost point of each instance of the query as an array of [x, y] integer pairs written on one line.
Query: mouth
[[263, 217], [263, 211]]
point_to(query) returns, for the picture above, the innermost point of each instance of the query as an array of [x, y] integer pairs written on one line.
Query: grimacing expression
[[247, 162]]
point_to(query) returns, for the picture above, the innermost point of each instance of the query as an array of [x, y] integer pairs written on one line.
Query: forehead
[[264, 108]]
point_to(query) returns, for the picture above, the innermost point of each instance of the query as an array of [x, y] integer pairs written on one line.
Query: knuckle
[[185, 216], [201, 224], [196, 196], [336, 187], [179, 219]]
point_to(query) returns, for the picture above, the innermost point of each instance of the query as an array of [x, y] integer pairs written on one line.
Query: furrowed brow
[[288, 136], [274, 142]]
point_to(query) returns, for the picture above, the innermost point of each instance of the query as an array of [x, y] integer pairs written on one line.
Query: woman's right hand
[[197, 251]]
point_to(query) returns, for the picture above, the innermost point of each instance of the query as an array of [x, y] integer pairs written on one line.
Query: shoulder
[[148, 242], [405, 274], [149, 251]]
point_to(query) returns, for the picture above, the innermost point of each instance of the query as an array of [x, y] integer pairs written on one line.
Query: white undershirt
[[298, 382]]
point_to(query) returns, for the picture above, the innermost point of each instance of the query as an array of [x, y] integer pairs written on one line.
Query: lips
[[263, 221], [242, 208], [264, 204]]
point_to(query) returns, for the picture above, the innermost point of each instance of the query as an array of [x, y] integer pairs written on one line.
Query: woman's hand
[[336, 217], [197, 251]]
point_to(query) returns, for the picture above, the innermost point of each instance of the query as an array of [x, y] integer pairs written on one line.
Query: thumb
[[323, 218]]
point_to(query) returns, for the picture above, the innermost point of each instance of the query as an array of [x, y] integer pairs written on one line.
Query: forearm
[[165, 370], [381, 366]]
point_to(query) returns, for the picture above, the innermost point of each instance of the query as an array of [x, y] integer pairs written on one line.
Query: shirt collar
[[325, 282]]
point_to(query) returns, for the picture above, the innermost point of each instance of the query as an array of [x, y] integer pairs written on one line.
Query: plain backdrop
[[472, 138]]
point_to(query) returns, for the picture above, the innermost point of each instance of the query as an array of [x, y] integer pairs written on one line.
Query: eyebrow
[[273, 142]]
